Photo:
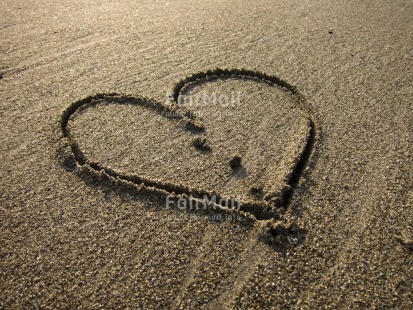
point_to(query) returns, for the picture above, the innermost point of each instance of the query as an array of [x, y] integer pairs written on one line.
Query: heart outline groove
[[263, 210]]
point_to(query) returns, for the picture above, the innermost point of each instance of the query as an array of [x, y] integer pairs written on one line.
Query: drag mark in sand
[[263, 209]]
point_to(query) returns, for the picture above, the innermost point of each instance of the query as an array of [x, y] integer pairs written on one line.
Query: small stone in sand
[[199, 142]]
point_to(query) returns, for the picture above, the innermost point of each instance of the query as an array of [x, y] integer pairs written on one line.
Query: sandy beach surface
[[313, 139]]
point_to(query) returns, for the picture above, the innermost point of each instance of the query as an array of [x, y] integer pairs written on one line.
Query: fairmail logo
[[198, 100], [192, 203]]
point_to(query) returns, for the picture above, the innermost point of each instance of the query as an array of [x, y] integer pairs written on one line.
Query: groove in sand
[[260, 211]]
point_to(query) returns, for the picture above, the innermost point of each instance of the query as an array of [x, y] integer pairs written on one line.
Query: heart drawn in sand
[[232, 137]]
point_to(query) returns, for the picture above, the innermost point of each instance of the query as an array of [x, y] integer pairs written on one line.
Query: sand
[[73, 236]]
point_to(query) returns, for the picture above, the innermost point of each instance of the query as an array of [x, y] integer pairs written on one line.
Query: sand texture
[[297, 115]]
